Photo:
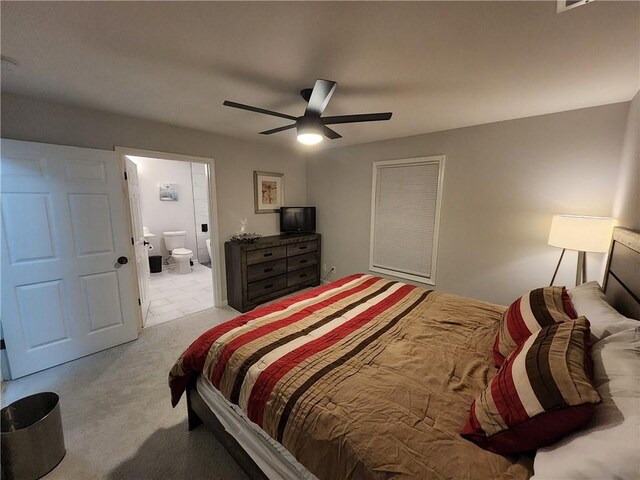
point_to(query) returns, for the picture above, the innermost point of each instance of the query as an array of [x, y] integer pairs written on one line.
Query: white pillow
[[609, 446], [590, 301]]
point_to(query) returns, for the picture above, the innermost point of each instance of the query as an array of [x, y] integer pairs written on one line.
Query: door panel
[[43, 304], [64, 225], [85, 171], [32, 240], [91, 221], [17, 166], [100, 292], [139, 240]]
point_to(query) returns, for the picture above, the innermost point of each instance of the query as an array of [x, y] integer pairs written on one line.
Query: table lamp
[[580, 233]]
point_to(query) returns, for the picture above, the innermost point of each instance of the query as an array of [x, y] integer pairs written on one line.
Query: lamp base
[[557, 267], [581, 270]]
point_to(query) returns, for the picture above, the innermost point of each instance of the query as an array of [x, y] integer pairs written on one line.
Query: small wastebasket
[[155, 263], [31, 437]]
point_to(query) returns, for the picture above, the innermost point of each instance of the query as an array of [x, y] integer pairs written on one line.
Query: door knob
[[145, 243], [123, 260]]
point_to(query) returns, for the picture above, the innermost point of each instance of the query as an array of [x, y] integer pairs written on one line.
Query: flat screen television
[[297, 219]]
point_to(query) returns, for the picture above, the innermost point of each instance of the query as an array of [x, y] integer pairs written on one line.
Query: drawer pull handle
[[268, 286], [268, 254], [302, 275], [266, 270], [304, 247], [303, 261]]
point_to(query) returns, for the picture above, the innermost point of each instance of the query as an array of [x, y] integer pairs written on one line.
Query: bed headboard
[[622, 277]]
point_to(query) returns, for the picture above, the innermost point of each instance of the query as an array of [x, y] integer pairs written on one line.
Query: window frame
[[440, 161]]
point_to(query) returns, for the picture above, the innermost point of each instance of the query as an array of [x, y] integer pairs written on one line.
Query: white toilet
[[174, 242]]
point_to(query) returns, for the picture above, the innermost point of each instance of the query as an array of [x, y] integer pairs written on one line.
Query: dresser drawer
[[271, 267], [300, 248], [302, 276], [264, 270], [265, 287], [302, 261], [266, 254]]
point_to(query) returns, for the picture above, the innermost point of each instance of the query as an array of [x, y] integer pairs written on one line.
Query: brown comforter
[[364, 378]]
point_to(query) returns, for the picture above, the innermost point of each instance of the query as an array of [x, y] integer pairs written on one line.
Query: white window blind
[[405, 216]]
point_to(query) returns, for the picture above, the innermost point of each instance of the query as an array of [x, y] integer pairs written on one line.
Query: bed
[[362, 378]]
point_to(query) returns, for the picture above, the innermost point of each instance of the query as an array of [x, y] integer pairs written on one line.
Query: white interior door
[[64, 227], [139, 241]]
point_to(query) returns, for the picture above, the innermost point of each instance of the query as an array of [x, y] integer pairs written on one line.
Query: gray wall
[[626, 206], [502, 183], [235, 160]]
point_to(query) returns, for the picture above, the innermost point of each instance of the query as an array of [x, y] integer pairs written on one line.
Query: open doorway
[[174, 219]]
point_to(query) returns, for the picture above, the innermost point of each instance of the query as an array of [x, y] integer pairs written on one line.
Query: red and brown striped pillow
[[528, 314], [542, 392]]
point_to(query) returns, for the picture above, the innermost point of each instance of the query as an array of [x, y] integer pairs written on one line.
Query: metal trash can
[[31, 437], [155, 263]]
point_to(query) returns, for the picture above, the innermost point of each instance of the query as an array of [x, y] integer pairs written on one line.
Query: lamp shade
[[584, 234]]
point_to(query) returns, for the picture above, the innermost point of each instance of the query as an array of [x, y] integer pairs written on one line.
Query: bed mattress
[[364, 378]]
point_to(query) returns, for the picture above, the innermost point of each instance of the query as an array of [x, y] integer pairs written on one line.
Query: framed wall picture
[[168, 192], [268, 191]]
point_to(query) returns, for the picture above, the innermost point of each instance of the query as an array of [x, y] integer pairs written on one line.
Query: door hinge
[[133, 242], [125, 176], [3, 346], [139, 302]]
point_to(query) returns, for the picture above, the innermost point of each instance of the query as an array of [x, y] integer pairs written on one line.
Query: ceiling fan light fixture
[[309, 138], [312, 126], [309, 130]]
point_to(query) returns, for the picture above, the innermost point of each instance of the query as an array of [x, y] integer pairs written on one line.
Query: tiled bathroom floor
[[174, 295]]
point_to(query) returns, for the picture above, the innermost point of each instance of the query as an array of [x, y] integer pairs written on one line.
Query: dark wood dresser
[[270, 268]]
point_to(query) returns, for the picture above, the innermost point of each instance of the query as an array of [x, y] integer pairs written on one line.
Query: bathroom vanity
[[271, 267]]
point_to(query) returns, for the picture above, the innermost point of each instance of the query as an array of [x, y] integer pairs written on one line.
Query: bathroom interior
[[174, 203]]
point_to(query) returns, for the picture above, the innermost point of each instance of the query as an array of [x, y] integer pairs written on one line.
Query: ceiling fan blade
[[241, 106], [332, 134], [320, 96], [362, 117], [279, 129]]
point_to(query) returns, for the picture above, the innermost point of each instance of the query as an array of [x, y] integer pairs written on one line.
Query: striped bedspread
[[361, 378]]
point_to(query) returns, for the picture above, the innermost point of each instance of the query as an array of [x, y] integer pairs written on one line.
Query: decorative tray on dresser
[[270, 267]]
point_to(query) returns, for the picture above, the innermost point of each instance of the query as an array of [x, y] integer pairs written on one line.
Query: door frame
[[216, 273]]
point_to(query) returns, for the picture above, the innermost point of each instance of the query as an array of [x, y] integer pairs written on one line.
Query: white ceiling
[[435, 65]]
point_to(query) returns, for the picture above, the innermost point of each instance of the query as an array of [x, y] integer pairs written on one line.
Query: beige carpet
[[117, 416]]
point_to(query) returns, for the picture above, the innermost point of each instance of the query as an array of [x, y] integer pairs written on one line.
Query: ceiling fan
[[312, 126]]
